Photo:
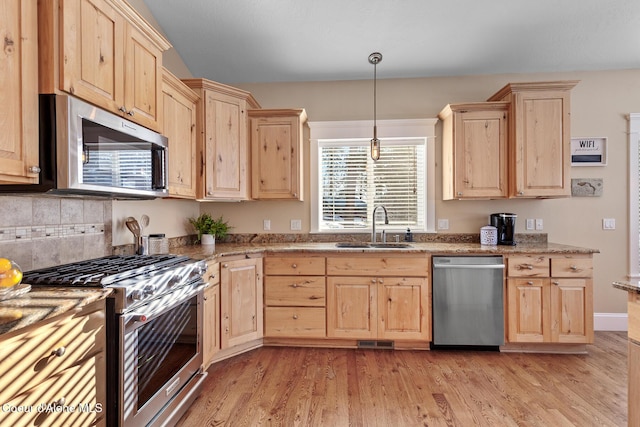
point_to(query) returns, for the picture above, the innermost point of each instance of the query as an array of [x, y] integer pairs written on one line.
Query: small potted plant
[[209, 229]]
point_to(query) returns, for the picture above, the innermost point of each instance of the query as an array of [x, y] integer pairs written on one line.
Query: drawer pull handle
[[295, 316], [59, 352], [213, 276]]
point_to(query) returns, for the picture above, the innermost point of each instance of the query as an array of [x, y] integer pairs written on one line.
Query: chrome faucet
[[386, 221]]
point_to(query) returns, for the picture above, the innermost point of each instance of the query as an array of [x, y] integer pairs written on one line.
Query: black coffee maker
[[506, 225]]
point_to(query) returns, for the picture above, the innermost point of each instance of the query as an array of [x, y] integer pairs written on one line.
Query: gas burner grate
[[100, 272]]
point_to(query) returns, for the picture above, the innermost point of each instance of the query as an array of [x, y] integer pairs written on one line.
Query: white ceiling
[[241, 41]]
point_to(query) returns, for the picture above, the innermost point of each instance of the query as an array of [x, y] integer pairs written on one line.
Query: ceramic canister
[[488, 235]]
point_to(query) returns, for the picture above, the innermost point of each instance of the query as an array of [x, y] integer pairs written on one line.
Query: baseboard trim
[[610, 321]]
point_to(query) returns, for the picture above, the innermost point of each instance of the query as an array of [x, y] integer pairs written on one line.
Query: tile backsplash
[[42, 231]]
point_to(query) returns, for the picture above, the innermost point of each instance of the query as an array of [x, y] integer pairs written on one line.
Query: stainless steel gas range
[[154, 337]]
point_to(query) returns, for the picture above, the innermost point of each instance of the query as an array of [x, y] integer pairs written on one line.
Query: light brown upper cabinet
[[276, 153], [222, 155], [539, 138], [19, 158], [179, 126], [105, 53], [474, 150]]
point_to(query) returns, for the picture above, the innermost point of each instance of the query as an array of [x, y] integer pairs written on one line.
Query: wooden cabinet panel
[[351, 307], [19, 92], [276, 154], [179, 126], [528, 266], [474, 150], [634, 383], [571, 310], [298, 291], [295, 265], [295, 322], [572, 266], [528, 306], [539, 138], [403, 308], [378, 266], [211, 314], [241, 301]]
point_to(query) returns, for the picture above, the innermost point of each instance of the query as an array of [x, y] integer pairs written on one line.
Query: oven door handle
[[159, 306]]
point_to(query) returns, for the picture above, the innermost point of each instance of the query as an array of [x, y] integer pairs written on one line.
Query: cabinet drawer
[[294, 291], [571, 267], [378, 266], [294, 265], [295, 322], [212, 275], [80, 386], [528, 266], [30, 358], [634, 316]]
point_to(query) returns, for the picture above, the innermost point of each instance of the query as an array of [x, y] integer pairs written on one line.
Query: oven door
[[160, 354]]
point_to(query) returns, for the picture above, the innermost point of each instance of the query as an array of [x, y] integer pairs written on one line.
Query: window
[[347, 184], [634, 195]]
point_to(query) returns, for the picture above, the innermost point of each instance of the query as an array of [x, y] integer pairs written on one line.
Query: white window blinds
[[351, 184]]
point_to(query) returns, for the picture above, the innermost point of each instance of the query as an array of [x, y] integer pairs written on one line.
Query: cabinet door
[[142, 79], [403, 308], [351, 307], [225, 147], [571, 310], [480, 154], [19, 92], [179, 126], [92, 52], [542, 143], [528, 310], [211, 324], [276, 157], [241, 301]]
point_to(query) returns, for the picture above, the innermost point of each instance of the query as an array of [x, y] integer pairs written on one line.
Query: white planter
[[208, 240]]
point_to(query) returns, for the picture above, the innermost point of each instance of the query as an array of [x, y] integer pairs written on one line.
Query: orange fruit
[[5, 264], [10, 278]]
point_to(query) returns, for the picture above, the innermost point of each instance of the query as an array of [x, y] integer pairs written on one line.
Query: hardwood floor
[[276, 386]]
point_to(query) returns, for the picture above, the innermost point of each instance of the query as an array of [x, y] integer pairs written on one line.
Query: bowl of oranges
[[11, 280]]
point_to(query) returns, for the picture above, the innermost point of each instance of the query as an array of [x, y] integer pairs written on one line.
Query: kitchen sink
[[389, 245]]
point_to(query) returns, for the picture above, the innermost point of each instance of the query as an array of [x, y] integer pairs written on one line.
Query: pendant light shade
[[374, 59]]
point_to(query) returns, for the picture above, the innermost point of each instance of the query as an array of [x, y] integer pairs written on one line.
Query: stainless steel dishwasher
[[468, 303]]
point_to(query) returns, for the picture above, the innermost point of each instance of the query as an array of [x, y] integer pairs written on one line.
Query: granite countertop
[[628, 285], [44, 303], [229, 249]]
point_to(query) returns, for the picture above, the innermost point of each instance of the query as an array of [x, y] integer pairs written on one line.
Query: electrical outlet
[[266, 224], [608, 223], [296, 224], [443, 224], [539, 224], [531, 224]]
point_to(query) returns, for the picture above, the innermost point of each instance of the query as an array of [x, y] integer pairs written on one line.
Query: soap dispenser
[[408, 237]]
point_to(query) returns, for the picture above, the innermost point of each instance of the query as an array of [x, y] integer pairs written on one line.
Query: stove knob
[[139, 318], [137, 295], [150, 289]]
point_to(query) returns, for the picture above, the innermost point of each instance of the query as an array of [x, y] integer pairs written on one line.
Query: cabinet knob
[[294, 285], [130, 113], [459, 193], [520, 193], [34, 169], [295, 316], [380, 281], [212, 276], [555, 282], [294, 266], [122, 109], [59, 402], [529, 267], [529, 283], [59, 352], [573, 268], [225, 265], [373, 280]]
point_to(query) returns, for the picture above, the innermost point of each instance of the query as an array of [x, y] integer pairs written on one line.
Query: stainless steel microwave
[[85, 150]]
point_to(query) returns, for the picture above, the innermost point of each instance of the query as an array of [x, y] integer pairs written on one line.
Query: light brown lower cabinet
[[211, 314], [59, 363], [241, 301]]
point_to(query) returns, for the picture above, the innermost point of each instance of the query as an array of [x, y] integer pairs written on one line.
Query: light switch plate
[[296, 224], [266, 224], [539, 224], [531, 224], [443, 224], [608, 223]]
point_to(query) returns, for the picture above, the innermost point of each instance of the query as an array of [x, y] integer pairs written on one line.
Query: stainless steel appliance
[[85, 150], [154, 337], [506, 225], [468, 301]]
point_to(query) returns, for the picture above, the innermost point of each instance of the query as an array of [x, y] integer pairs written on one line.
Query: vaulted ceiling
[[243, 41]]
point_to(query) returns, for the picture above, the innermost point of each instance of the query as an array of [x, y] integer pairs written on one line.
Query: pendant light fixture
[[374, 59]]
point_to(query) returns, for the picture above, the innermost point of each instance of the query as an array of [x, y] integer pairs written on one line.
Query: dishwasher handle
[[471, 266]]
